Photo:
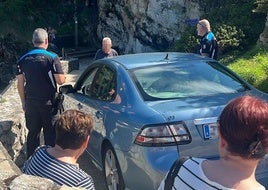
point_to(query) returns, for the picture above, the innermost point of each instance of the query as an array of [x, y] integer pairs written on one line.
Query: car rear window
[[186, 80]]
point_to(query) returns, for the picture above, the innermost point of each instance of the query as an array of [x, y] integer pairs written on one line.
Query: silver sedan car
[[152, 108]]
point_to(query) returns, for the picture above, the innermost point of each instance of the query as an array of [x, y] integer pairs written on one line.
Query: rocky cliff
[[145, 25], [263, 39]]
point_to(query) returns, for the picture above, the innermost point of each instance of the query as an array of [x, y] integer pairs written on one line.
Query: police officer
[[38, 73], [208, 42]]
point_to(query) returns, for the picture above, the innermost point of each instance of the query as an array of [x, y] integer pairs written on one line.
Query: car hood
[[191, 108]]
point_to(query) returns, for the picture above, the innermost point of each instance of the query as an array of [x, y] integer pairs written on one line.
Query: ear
[[85, 143], [222, 142], [46, 41]]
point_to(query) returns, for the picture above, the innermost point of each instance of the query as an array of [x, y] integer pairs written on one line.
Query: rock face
[[145, 25], [263, 39]]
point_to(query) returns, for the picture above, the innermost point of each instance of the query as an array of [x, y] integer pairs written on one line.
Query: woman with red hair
[[243, 142]]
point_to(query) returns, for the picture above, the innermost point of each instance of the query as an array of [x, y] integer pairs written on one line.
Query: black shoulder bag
[[57, 105]]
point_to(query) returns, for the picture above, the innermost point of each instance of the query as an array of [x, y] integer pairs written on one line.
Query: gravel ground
[[86, 165]]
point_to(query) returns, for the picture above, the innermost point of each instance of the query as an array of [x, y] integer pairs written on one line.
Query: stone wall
[[12, 124], [11, 177], [70, 65]]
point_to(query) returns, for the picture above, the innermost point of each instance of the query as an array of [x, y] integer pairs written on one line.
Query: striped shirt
[[44, 165], [192, 177]]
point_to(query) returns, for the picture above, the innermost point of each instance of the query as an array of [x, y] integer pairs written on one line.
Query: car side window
[[104, 84], [86, 87]]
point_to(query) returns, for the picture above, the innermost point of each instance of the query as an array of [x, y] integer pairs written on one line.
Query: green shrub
[[188, 42], [229, 37], [238, 14]]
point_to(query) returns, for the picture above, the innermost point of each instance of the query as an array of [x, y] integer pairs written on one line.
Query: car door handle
[[79, 106], [99, 114]]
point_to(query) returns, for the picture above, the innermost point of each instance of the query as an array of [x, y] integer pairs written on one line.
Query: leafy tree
[[234, 23], [238, 14]]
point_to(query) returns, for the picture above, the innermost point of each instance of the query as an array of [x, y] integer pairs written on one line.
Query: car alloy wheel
[[112, 171]]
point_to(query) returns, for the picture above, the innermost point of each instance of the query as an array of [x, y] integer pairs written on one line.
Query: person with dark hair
[[208, 41], [38, 73], [243, 142], [107, 50], [51, 34], [59, 163]]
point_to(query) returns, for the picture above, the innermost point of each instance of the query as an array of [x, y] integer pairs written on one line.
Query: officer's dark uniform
[[38, 67], [209, 45]]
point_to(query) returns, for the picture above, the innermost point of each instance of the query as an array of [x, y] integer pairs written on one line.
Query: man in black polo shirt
[[38, 73]]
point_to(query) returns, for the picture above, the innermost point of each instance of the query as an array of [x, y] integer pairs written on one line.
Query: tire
[[112, 171]]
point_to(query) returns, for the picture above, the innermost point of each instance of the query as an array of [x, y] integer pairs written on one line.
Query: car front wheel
[[112, 172]]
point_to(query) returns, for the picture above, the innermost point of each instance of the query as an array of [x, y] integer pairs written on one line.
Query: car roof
[[131, 61]]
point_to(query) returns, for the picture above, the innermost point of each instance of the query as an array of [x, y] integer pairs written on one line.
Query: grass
[[252, 66]]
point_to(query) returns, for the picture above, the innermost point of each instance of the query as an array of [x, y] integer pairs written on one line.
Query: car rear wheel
[[112, 172]]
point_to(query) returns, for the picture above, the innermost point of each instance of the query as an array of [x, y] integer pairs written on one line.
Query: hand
[[111, 92]]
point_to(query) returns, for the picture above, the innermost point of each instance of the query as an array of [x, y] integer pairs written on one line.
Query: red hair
[[244, 125]]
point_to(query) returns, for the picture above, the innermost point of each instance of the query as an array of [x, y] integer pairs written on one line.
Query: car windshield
[[185, 80]]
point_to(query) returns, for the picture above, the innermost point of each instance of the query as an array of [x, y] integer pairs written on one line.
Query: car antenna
[[167, 57]]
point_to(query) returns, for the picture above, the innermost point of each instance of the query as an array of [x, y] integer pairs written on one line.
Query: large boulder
[[12, 124], [145, 25], [263, 39]]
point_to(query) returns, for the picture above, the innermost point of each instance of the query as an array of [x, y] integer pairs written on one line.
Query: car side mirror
[[65, 89]]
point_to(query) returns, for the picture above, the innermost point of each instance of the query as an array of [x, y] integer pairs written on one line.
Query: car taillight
[[163, 135]]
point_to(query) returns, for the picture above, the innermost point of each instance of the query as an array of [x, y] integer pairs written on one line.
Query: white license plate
[[210, 131]]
